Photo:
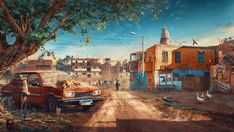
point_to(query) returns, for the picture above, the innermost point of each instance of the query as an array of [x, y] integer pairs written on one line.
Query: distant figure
[[117, 85]]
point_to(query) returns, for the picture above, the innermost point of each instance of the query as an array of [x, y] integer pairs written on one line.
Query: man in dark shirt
[[117, 85]]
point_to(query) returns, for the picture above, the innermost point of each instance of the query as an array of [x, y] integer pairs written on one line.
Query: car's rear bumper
[[79, 101]]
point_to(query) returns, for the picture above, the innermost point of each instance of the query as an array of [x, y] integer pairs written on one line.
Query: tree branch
[[3, 43], [60, 25], [55, 7], [11, 20], [24, 21]]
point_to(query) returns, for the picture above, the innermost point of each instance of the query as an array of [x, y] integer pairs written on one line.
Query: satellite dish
[[194, 42], [132, 33]]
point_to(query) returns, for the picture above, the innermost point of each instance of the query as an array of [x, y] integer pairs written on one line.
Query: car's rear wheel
[[52, 104]]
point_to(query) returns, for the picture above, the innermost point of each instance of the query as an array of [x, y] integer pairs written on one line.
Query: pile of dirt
[[35, 121], [12, 120]]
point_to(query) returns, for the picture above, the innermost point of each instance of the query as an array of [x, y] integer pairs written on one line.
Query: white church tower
[[165, 37]]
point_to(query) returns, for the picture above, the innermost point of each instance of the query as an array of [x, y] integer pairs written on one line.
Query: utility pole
[[143, 65], [109, 70]]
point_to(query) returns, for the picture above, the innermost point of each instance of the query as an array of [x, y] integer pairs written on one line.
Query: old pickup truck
[[44, 89]]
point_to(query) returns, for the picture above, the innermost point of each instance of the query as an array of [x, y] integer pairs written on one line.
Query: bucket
[[58, 110]]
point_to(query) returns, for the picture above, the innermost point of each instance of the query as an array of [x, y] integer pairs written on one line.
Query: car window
[[33, 79], [21, 76]]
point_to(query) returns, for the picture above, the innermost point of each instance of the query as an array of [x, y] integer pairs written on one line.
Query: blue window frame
[[201, 57], [177, 57]]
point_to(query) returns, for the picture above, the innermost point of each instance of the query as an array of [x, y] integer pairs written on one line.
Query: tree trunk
[[15, 53]]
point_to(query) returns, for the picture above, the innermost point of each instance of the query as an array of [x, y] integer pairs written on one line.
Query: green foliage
[[64, 64], [85, 15], [45, 52], [38, 36]]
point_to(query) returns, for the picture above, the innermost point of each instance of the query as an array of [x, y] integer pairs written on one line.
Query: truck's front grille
[[83, 94]]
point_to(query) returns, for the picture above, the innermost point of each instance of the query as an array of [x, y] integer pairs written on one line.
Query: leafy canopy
[[39, 20]]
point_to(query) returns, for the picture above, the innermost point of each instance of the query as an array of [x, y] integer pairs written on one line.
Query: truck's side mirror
[[35, 84]]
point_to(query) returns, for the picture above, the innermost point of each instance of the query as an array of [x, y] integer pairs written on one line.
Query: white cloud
[[228, 28], [214, 37], [208, 41]]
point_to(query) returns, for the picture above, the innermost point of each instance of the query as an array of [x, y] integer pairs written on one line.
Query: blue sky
[[205, 20]]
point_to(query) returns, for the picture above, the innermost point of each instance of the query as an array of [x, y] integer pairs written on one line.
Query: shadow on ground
[[143, 125]]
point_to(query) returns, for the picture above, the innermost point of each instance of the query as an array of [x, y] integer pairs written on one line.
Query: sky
[[207, 21]]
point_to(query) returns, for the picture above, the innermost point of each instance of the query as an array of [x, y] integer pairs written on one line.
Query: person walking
[[117, 84]]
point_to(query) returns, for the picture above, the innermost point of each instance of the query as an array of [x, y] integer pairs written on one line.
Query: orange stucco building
[[189, 58], [160, 59], [166, 61]]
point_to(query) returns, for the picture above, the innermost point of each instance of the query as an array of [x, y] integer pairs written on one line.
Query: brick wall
[[39, 65], [158, 55], [227, 48], [189, 58]]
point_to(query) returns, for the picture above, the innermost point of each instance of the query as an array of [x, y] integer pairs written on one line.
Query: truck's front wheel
[[86, 108], [52, 104]]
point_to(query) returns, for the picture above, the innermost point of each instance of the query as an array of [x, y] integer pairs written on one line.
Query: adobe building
[[166, 64], [106, 71], [111, 72], [37, 65], [226, 47], [86, 69]]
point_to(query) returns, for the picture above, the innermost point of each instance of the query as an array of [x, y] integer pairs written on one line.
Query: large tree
[[26, 25]]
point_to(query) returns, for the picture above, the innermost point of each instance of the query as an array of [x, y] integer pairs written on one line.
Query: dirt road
[[123, 111]]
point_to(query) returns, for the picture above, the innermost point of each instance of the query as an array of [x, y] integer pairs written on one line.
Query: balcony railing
[[80, 69], [96, 70]]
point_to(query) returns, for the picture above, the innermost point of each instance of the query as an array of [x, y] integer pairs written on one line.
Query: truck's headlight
[[96, 92], [69, 94]]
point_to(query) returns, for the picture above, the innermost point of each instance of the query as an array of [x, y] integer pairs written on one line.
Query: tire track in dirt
[[104, 117], [118, 111]]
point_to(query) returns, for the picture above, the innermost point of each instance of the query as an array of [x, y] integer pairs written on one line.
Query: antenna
[[219, 40]]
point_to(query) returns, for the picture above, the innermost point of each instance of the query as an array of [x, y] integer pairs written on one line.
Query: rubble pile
[[6, 119]]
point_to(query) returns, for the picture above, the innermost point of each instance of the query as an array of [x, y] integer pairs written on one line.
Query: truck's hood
[[76, 88], [79, 89]]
